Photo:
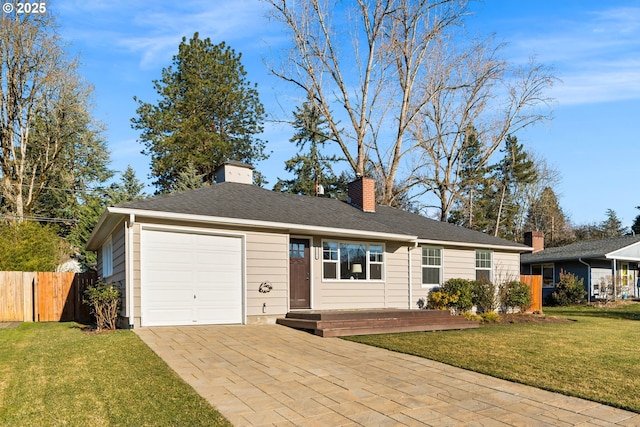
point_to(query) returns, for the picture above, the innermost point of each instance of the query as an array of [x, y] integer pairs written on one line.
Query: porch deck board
[[334, 323]]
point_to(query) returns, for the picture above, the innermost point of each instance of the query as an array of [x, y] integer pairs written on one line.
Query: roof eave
[[105, 224], [293, 228]]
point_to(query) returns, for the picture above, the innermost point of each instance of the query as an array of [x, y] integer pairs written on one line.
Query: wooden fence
[[44, 296], [535, 283]]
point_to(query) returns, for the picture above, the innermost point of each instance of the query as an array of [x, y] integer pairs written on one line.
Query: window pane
[[483, 275], [430, 276], [330, 250], [547, 277], [296, 250], [483, 259], [375, 272], [375, 253], [353, 261], [431, 256], [330, 270]]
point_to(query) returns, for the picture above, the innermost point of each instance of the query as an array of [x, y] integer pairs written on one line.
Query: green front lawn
[[595, 356], [56, 374]]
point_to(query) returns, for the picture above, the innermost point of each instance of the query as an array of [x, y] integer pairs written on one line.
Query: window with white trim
[[547, 273], [107, 258], [483, 266], [352, 261], [431, 266]]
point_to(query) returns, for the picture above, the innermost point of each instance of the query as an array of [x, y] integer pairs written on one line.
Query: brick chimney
[[535, 239], [361, 193]]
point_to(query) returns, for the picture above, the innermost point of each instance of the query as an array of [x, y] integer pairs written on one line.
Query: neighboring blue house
[[609, 267]]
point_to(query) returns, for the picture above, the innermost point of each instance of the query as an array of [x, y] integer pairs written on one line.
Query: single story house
[[235, 253], [608, 266]]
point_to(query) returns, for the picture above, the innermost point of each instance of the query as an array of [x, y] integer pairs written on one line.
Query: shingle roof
[[248, 202], [587, 249]]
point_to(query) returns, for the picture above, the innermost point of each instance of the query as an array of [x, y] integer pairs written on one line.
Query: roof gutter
[[473, 245], [589, 287]]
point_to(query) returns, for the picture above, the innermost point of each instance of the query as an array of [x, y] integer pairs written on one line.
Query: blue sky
[[594, 47]]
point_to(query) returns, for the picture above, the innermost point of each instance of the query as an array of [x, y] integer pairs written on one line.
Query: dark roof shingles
[[582, 249], [242, 201]]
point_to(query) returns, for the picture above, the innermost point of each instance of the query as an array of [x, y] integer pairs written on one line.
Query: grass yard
[[56, 374], [595, 356]]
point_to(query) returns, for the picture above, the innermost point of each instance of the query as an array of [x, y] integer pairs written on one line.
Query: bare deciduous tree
[[471, 88], [368, 85], [43, 109]]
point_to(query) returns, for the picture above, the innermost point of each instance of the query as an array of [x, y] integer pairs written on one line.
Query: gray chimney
[[234, 172]]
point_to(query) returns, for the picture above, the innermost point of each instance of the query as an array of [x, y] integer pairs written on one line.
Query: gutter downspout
[[410, 302], [589, 287], [613, 264], [129, 274], [410, 281]]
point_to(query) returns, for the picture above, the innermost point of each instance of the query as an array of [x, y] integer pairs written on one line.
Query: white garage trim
[[208, 290]]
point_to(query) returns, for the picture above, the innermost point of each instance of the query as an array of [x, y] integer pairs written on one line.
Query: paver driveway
[[273, 375]]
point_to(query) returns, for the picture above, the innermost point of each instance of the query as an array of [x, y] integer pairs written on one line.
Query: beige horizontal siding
[[459, 264], [506, 267], [267, 260], [397, 277]]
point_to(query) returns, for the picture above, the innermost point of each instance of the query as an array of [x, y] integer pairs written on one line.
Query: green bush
[[104, 301], [515, 294], [472, 316], [490, 317], [29, 246], [569, 291], [463, 288], [441, 301], [484, 296]]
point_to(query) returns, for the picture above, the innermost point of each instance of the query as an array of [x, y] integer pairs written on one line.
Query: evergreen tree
[[127, 190], [515, 168], [612, 225], [546, 215], [312, 169], [636, 223], [474, 180], [188, 179], [208, 113]]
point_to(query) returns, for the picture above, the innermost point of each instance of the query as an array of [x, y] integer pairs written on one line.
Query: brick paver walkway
[[273, 375]]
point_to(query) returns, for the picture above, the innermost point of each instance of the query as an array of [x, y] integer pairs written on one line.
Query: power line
[[39, 218], [70, 190]]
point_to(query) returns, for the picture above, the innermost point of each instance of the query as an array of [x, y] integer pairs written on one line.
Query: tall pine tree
[[515, 168], [312, 169], [208, 113]]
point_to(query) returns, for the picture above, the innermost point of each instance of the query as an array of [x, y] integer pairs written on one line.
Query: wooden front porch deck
[[337, 323]]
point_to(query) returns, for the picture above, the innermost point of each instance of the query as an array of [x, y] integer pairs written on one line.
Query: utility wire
[[39, 218]]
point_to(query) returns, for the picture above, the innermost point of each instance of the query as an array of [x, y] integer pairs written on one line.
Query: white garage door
[[190, 279]]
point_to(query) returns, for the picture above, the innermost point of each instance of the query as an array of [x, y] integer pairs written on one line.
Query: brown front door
[[299, 273]]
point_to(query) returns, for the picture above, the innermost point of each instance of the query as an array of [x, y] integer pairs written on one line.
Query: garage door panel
[[190, 278]]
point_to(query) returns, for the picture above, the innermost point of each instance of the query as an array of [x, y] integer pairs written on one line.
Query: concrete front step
[[335, 323]]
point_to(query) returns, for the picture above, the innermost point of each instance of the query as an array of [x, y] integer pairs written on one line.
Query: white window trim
[[367, 258], [440, 267], [490, 269], [542, 267], [107, 258]]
